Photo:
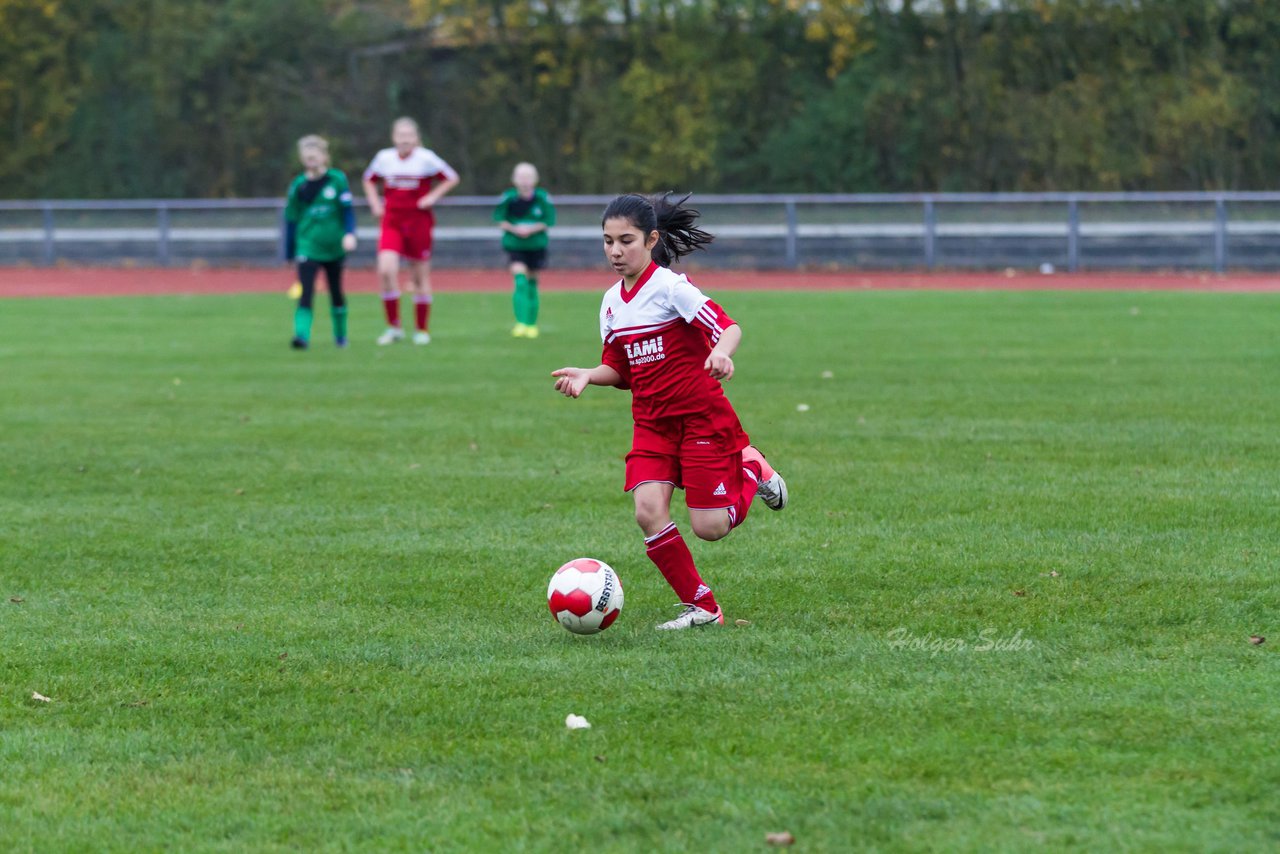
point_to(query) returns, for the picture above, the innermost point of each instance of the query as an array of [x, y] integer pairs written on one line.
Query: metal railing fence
[[1070, 231]]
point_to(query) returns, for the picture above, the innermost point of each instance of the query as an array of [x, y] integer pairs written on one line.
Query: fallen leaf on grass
[[1257, 640], [137, 704], [599, 758], [283, 656], [1053, 573], [17, 600], [742, 622], [577, 722], [1019, 593], [782, 838], [36, 695]]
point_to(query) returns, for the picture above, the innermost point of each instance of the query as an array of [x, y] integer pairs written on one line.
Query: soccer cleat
[[298, 343], [519, 330], [421, 337], [772, 488], [531, 332], [341, 343], [692, 616], [391, 336]]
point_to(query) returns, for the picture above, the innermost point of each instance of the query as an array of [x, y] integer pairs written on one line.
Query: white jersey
[[660, 297], [407, 179], [657, 337]]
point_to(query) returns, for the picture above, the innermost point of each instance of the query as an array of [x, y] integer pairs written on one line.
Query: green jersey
[[515, 210], [317, 215]]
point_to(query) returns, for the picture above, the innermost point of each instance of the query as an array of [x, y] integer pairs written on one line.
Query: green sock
[[302, 323], [533, 301], [339, 315], [519, 297]]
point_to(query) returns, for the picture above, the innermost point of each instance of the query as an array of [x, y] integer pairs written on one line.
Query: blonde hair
[[405, 120], [525, 165], [315, 142]]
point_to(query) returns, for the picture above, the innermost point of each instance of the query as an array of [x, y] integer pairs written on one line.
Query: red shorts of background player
[[408, 236], [698, 453]]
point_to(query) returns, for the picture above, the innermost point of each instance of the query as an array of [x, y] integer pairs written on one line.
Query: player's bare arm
[[437, 192], [720, 361], [571, 382], [373, 198]]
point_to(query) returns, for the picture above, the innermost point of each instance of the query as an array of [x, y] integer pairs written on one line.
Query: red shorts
[[409, 236], [700, 454]]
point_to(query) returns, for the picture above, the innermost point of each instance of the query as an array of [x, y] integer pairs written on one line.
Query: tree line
[[204, 98]]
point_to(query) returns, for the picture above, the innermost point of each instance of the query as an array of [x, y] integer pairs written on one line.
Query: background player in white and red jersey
[[412, 179], [672, 346]]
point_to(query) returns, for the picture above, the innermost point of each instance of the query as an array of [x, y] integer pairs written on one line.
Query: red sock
[[750, 480], [669, 553], [422, 310], [391, 305]]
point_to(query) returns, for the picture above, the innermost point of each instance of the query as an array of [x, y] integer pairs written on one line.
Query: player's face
[[628, 249], [313, 161], [525, 180], [405, 139]]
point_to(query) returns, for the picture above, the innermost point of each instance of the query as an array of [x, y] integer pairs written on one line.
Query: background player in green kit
[[320, 229], [525, 214]]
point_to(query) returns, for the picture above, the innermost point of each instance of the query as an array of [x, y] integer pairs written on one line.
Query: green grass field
[[296, 601]]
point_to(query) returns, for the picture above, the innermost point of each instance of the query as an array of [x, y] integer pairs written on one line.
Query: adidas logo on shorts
[[720, 490]]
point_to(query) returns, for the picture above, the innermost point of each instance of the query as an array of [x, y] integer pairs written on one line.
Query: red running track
[[115, 281]]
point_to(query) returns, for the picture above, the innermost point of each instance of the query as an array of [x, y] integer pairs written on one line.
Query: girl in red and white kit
[[412, 179], [672, 346]]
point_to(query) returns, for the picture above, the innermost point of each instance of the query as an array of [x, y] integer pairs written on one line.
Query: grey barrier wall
[[1062, 231]]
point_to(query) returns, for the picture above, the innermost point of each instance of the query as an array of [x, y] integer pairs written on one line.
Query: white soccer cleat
[[421, 338], [772, 489], [391, 336], [692, 616]]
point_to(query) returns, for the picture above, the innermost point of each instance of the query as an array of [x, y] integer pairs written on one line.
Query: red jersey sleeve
[[699, 310], [711, 321], [615, 357]]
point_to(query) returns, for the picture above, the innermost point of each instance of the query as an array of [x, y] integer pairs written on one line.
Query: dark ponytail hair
[[677, 234]]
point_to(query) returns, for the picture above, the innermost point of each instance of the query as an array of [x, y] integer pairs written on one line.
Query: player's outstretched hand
[[424, 204], [571, 381], [719, 366], [348, 243]]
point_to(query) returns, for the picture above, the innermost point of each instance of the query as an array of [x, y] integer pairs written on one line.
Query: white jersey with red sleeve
[[407, 179], [657, 337]]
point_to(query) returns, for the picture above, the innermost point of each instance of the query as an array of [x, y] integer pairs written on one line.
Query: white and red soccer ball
[[585, 596]]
